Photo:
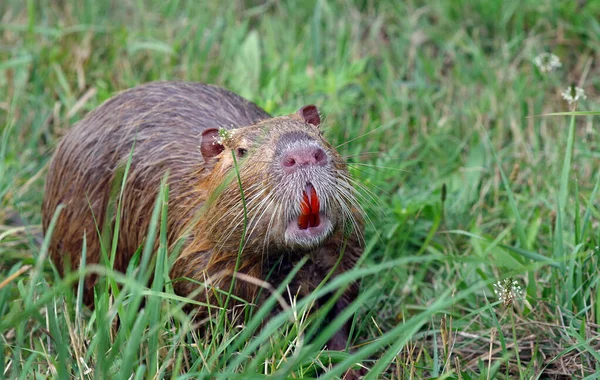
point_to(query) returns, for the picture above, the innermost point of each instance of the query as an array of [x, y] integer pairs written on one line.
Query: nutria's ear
[[209, 145], [310, 114]]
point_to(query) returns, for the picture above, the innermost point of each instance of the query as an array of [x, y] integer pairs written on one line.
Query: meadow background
[[437, 106]]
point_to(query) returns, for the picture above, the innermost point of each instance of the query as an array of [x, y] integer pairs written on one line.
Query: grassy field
[[437, 107]]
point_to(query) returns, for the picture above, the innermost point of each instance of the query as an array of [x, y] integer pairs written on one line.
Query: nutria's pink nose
[[298, 157]]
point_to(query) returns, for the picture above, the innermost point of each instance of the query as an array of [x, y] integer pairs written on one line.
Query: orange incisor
[[309, 208]]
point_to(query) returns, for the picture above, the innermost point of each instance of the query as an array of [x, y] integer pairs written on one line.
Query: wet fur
[[166, 120]]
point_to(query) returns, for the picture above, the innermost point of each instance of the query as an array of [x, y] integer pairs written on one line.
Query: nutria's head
[[296, 187]]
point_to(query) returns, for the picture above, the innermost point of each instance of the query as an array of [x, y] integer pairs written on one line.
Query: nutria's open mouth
[[312, 226]]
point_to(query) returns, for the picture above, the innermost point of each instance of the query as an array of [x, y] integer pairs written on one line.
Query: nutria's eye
[[241, 152]]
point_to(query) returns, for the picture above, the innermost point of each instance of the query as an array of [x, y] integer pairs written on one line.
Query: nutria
[[298, 193]]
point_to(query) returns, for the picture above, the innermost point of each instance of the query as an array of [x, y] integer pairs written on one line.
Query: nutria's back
[[165, 121]]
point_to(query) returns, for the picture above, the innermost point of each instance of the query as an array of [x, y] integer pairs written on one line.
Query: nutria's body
[[297, 189]]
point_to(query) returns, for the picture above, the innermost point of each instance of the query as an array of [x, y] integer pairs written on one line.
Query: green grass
[[437, 107]]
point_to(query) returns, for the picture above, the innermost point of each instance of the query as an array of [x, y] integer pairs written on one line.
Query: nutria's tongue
[[309, 208]]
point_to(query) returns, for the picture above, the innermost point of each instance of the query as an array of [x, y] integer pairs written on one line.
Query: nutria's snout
[[307, 168], [303, 156]]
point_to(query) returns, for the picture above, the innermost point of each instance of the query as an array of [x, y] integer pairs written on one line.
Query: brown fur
[[166, 121]]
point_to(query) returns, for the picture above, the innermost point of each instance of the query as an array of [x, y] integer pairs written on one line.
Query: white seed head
[[508, 291], [225, 136], [547, 62], [573, 94]]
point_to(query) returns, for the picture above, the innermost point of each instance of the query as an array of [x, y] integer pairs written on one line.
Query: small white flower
[[225, 136], [508, 291], [547, 62], [573, 94]]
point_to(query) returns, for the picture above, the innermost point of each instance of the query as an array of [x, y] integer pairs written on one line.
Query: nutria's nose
[[297, 157]]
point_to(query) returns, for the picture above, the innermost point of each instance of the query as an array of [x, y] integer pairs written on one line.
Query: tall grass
[[435, 106]]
